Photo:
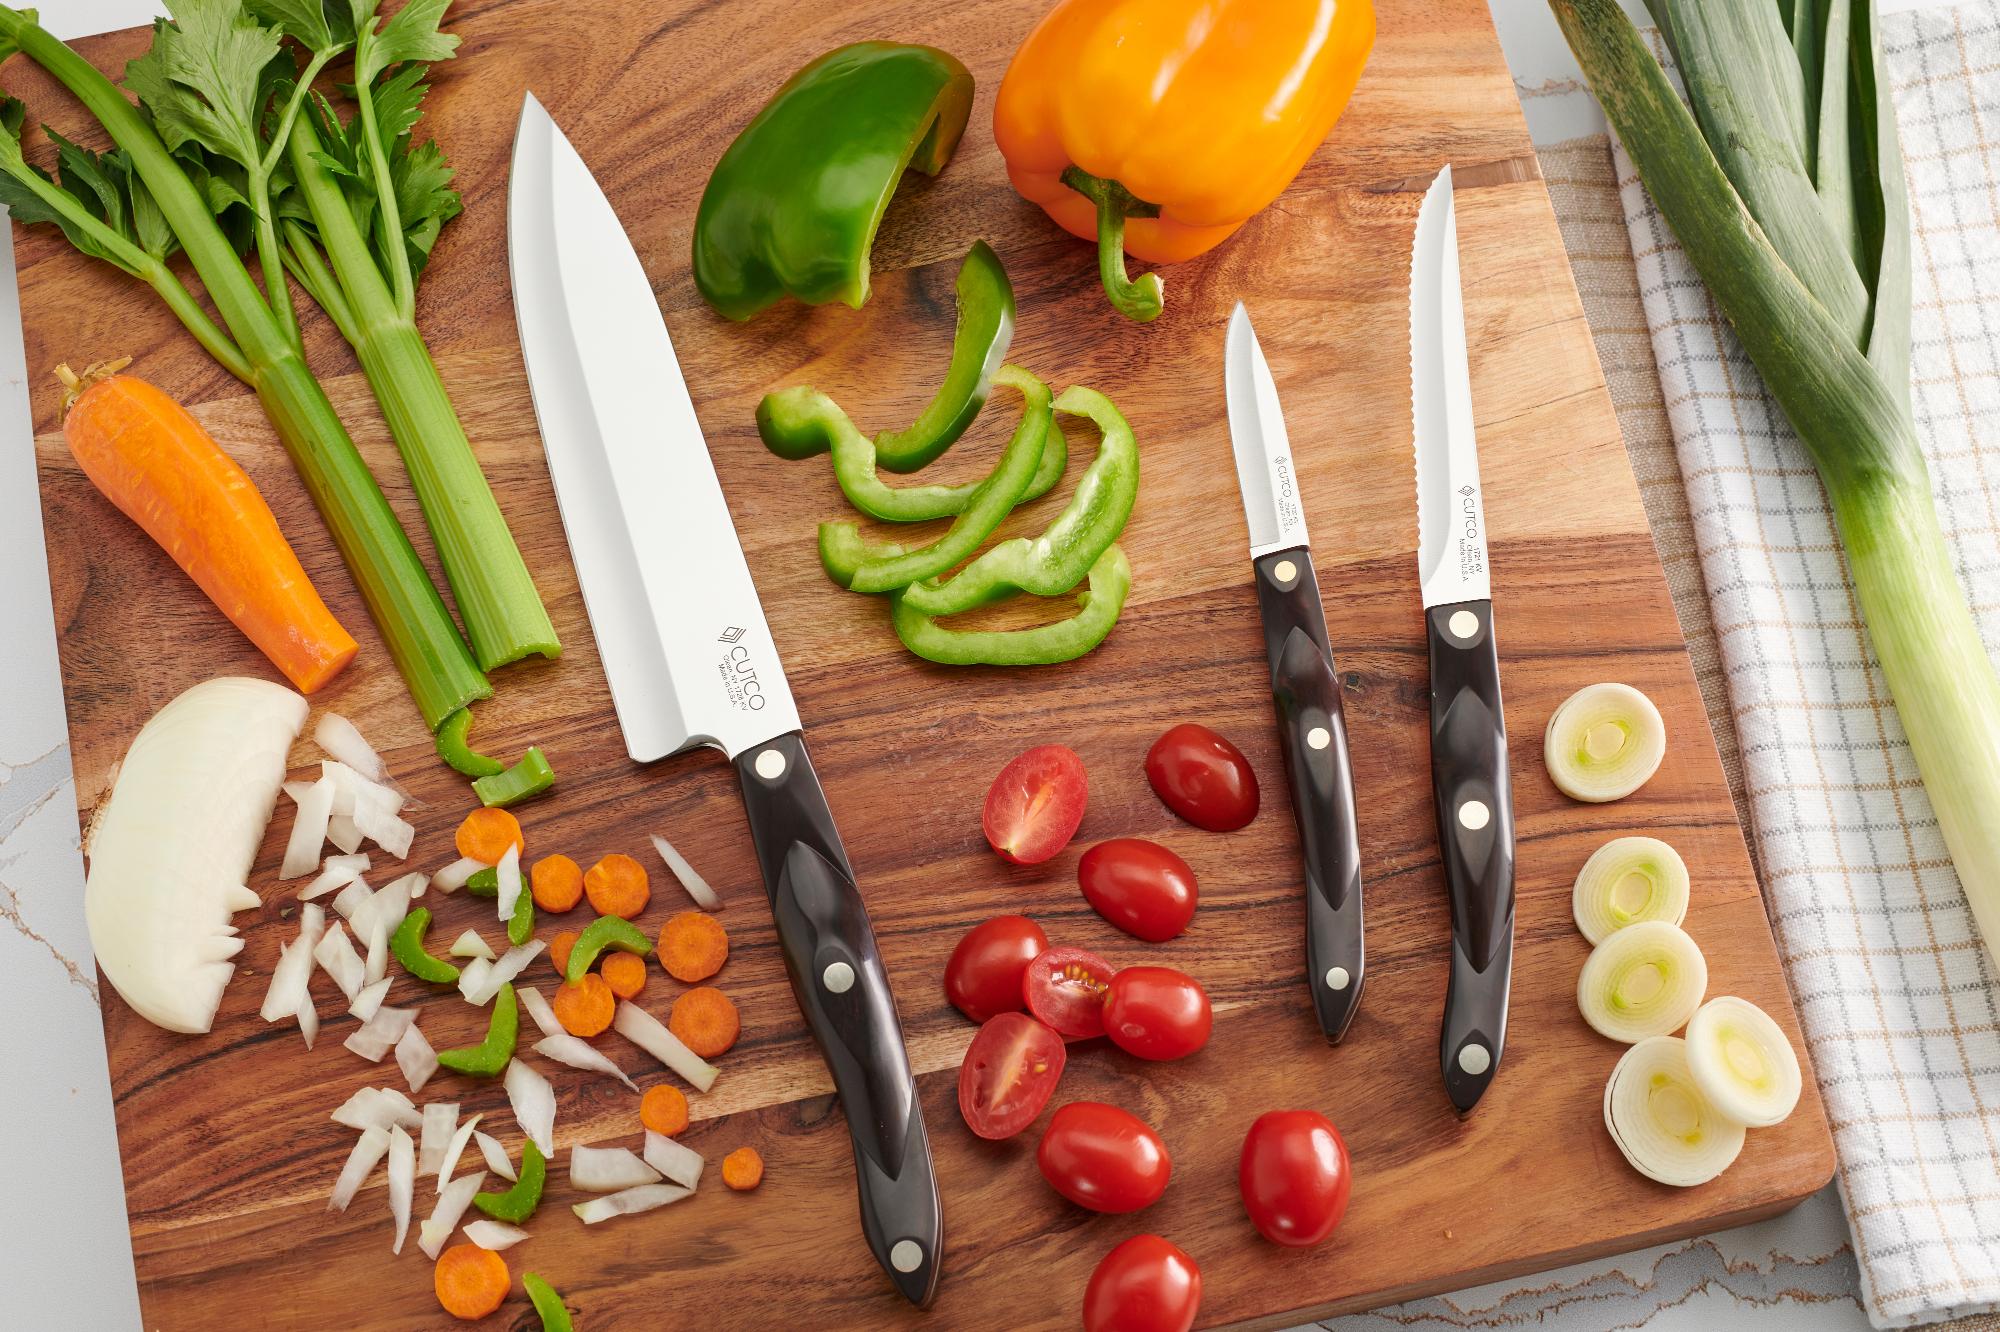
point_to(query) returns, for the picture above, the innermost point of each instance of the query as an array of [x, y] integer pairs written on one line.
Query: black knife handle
[[1312, 729], [1475, 819], [841, 988]]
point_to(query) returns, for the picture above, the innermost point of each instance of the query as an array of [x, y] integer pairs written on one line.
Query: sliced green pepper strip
[[602, 933], [549, 1306], [1062, 556], [1044, 645], [997, 495], [407, 943], [793, 204], [484, 883], [978, 347], [488, 1059], [521, 925], [517, 1204], [455, 748], [525, 780]]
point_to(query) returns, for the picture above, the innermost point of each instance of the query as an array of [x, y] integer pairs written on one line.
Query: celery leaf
[[410, 35]]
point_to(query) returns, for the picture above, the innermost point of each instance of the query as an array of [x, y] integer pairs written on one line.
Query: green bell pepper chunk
[[484, 883], [602, 933], [793, 204], [549, 1306], [454, 746], [521, 925], [1062, 556], [407, 943], [853, 565], [518, 1203], [488, 1059], [1044, 645], [528, 778]]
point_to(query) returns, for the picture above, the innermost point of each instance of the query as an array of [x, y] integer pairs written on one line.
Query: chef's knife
[[1471, 793], [687, 652], [1312, 729]]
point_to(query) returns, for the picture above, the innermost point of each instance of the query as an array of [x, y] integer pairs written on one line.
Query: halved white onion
[[1742, 1062], [342, 739], [456, 1149], [402, 1181], [697, 887], [495, 1235], [451, 1205], [608, 1169], [470, 944], [496, 1156], [1605, 742], [1661, 1121], [453, 876], [579, 1053], [629, 1201], [369, 1149], [440, 1118], [678, 1162], [1627, 880], [647, 1032], [534, 1103], [416, 1058], [1644, 980]]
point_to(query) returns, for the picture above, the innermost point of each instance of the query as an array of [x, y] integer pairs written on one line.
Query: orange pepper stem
[[1138, 301]]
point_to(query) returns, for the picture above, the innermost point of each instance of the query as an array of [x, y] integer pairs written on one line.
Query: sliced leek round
[[1660, 1119], [1742, 1062], [1605, 742], [1627, 880], [1644, 980]]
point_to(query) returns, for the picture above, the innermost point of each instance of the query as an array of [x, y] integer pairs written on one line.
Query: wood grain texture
[[227, 1149]]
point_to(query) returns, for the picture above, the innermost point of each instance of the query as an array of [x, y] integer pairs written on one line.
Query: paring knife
[[1472, 795], [687, 652], [1312, 729]]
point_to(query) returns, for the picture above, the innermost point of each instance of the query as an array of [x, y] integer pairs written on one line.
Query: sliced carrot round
[[664, 1109], [625, 973], [705, 1020], [487, 833], [471, 1282], [616, 886], [557, 882], [743, 1169], [585, 1007], [693, 946], [559, 950]]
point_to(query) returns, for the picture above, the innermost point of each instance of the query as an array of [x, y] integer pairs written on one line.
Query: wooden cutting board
[[228, 1151]]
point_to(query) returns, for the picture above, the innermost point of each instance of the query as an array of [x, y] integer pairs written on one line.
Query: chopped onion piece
[[495, 1235], [369, 1002], [642, 1199], [375, 971], [508, 871], [608, 1169], [697, 887], [352, 898], [335, 874], [472, 976], [308, 1021], [1740, 1059], [647, 1032], [451, 1205], [679, 1163], [1627, 880], [379, 1034], [297, 790], [470, 944], [1660, 1120], [340, 830], [416, 1058], [534, 1103], [539, 1012], [352, 788], [453, 876], [496, 1156], [495, 974], [440, 1118], [455, 1149], [340, 738], [381, 826], [377, 1107], [579, 1053], [402, 1181], [289, 979], [337, 958], [1644, 980], [308, 832], [387, 904], [1604, 742], [368, 1150]]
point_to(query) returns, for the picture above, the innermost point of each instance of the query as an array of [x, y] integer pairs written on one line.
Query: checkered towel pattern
[[1897, 997]]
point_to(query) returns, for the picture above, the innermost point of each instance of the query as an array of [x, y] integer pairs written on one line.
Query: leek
[[1784, 185]]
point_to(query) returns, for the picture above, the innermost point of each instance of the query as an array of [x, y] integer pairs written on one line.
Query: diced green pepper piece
[[518, 1203], [1043, 645], [602, 933], [488, 1059], [525, 780], [455, 748], [549, 1306], [484, 883], [521, 925], [407, 943]]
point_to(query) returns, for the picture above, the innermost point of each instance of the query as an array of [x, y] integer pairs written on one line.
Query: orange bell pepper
[[1158, 127]]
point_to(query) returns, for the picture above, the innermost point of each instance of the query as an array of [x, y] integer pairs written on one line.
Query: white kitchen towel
[[1897, 997]]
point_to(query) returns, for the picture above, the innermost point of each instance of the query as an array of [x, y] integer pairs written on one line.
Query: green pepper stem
[[1138, 301]]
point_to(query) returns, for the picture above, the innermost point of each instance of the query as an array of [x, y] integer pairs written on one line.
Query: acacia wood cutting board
[[227, 1148]]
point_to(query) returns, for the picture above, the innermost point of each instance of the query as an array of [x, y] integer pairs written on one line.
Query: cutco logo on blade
[[739, 672], [1285, 497], [1471, 553]]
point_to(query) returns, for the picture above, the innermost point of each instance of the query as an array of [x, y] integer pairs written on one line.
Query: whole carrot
[[146, 455]]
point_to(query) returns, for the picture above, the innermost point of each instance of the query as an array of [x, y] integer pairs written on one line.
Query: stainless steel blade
[[1451, 510], [678, 624], [1263, 451]]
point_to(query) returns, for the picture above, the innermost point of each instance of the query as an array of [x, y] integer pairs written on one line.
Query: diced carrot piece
[[743, 1169], [664, 1109], [625, 973]]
